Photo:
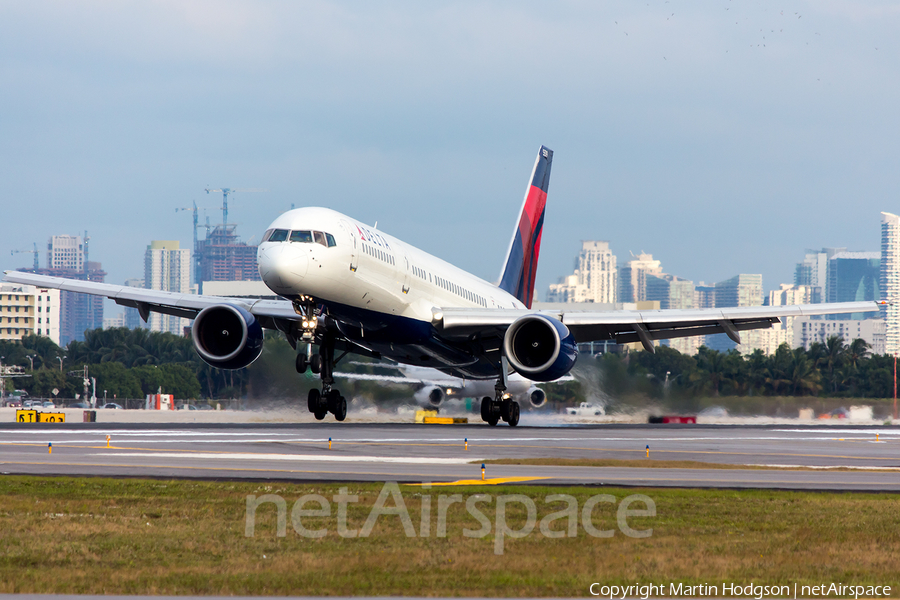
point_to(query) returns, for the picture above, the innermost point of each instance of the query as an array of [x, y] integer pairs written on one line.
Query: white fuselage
[[349, 263]]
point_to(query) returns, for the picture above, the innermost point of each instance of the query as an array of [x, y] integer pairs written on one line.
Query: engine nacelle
[[430, 397], [227, 336], [540, 348], [537, 397]]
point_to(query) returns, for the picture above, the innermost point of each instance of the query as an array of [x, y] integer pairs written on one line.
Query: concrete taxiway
[[435, 453]]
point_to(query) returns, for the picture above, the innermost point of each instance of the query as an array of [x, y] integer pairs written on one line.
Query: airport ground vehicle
[[586, 408]]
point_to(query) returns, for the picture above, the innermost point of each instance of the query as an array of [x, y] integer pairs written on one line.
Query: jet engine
[[540, 348], [537, 397], [430, 397], [227, 336]]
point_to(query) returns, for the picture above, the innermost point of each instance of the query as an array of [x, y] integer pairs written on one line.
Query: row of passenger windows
[[460, 291], [378, 253], [301, 236], [10, 308], [421, 273]]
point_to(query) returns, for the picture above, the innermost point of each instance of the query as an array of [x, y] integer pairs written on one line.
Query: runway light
[[467, 443], [107, 441], [876, 436], [329, 443], [648, 450], [482, 471], [50, 448]]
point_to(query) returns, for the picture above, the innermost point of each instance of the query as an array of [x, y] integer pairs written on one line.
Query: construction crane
[[35, 252], [196, 247], [225, 193]]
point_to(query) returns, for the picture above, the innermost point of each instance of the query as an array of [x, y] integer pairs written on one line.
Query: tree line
[[131, 363], [832, 369]]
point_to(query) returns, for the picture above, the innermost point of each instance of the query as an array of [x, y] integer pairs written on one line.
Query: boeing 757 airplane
[[350, 288]]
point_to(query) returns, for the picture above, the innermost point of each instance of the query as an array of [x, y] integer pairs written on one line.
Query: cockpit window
[[301, 236], [278, 235], [331, 242], [320, 238]]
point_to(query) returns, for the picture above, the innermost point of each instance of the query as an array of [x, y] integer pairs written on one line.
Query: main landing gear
[[329, 400], [501, 406]]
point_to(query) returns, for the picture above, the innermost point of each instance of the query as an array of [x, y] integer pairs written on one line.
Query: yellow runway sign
[[26, 416], [33, 416], [51, 417]]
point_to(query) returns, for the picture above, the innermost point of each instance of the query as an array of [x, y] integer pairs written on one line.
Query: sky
[[722, 137]]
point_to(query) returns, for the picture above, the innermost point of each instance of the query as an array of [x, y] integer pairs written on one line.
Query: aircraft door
[[405, 287], [354, 247]]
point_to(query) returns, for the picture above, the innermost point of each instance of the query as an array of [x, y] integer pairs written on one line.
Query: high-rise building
[[853, 277], [167, 268], [813, 272], [66, 252], [704, 296], [791, 295], [740, 290], [132, 315], [673, 292], [594, 279], [223, 257], [889, 281], [67, 256], [670, 291], [633, 277], [25, 310]]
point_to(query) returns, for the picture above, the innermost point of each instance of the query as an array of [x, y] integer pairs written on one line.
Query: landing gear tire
[[486, 408], [505, 410], [341, 413], [493, 421], [315, 363], [332, 399], [301, 363], [320, 414], [513, 419], [313, 401]]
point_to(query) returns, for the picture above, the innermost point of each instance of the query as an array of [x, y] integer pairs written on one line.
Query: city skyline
[[793, 262]]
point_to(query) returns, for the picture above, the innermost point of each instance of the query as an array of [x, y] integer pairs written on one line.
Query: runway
[[437, 454]]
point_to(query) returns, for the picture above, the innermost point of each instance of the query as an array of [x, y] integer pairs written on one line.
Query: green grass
[[104, 536]]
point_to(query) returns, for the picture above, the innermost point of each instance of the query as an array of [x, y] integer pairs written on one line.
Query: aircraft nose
[[282, 267]]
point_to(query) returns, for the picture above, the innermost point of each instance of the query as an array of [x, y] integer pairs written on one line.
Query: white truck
[[585, 409]]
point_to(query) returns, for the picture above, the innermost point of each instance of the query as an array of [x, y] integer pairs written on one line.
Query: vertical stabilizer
[[520, 266]]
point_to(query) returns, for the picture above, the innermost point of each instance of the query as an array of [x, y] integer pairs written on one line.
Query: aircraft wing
[[623, 326], [147, 301], [645, 326]]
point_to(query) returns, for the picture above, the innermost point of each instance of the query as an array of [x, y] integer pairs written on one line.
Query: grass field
[[101, 536]]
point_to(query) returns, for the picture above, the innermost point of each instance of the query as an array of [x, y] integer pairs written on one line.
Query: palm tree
[[833, 358], [804, 377], [711, 370]]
